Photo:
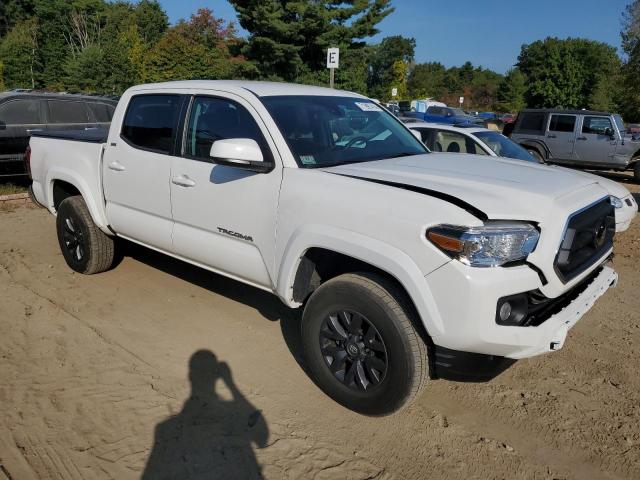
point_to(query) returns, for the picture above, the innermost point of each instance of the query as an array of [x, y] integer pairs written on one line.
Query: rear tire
[[535, 154], [85, 247], [361, 346]]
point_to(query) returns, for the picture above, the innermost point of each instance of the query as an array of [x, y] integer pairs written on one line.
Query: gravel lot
[[110, 376]]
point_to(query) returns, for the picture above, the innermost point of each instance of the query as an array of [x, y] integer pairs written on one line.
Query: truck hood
[[498, 187]]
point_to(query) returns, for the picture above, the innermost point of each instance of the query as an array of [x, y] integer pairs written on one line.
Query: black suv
[[24, 112]]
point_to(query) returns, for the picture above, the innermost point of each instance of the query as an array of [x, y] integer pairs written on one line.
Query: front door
[[561, 136], [137, 166], [595, 145], [225, 217]]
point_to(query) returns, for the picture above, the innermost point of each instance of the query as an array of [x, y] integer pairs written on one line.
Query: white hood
[[499, 187]]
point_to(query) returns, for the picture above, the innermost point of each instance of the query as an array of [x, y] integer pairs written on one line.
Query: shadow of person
[[211, 438]]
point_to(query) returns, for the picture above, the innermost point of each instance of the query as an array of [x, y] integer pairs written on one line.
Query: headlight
[[491, 245], [616, 202]]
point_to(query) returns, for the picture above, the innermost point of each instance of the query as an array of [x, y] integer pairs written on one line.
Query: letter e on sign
[[333, 57]]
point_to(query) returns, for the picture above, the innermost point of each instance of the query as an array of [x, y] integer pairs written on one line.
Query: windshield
[[620, 124], [324, 131], [459, 112], [504, 147]]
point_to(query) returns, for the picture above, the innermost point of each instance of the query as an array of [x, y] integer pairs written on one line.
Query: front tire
[[361, 346], [535, 154], [85, 247]]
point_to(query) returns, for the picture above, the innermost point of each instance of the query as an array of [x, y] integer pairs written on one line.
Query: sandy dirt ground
[[157, 369]]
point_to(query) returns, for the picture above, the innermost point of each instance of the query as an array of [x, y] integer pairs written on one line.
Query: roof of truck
[[260, 89], [568, 112]]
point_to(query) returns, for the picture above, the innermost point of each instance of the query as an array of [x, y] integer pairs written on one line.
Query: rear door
[[136, 168], [561, 136], [594, 145], [18, 119], [66, 115], [225, 217]]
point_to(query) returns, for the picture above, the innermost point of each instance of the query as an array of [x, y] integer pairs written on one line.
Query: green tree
[[2, 87], [571, 73], [427, 80], [629, 94], [288, 39], [197, 49], [382, 61], [151, 20], [14, 11], [18, 53], [512, 91]]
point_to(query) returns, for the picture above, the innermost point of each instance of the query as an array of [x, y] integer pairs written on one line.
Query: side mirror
[[241, 153], [609, 132]]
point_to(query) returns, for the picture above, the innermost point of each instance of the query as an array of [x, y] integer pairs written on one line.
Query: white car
[[482, 141], [408, 265]]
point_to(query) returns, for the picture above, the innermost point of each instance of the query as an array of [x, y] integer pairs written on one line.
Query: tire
[[535, 154], [636, 171], [84, 246], [379, 371]]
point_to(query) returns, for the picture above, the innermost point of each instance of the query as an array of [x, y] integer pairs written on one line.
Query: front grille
[[587, 238]]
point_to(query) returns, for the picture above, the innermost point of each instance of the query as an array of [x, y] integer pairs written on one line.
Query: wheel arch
[[62, 183], [538, 145], [316, 256]]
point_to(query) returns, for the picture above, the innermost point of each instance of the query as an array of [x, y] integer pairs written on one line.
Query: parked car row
[[23, 113]]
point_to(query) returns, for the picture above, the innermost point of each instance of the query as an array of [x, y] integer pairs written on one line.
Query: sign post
[[333, 62], [394, 92], [461, 101]]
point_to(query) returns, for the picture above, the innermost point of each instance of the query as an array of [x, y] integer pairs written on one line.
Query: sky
[[489, 33]]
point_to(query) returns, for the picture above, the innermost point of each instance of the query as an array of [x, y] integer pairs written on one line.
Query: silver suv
[[581, 138]]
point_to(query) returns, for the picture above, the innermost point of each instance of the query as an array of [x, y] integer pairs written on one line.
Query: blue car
[[445, 115]]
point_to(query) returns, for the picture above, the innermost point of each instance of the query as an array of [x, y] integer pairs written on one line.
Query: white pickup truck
[[409, 265]]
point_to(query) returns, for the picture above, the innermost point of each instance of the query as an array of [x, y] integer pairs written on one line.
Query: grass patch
[[10, 188]]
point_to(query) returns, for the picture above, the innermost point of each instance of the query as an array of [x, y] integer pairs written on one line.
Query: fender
[[67, 175], [375, 252], [538, 145]]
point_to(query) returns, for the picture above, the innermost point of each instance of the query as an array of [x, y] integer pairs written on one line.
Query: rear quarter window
[[531, 122], [102, 112]]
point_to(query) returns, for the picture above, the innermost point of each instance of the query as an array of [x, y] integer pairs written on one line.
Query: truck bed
[[91, 135]]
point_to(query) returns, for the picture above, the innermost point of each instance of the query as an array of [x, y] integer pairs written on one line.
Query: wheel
[[636, 171], [361, 346], [535, 154], [84, 246]]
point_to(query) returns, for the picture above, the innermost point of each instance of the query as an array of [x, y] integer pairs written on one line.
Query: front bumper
[[468, 311]]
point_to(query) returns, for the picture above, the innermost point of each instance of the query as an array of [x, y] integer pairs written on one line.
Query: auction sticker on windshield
[[368, 107]]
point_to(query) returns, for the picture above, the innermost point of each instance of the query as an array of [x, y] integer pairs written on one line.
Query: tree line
[[96, 46]]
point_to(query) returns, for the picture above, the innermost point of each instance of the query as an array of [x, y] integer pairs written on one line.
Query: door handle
[[582, 138], [551, 136], [116, 166], [183, 181]]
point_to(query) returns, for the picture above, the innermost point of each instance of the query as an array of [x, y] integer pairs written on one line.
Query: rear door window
[[562, 123], [151, 122], [20, 112], [64, 111]]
